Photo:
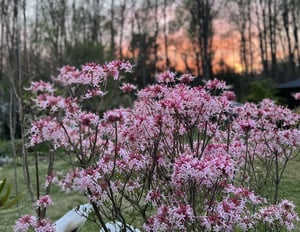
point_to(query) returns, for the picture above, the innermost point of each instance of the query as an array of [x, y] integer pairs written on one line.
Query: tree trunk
[[112, 30], [286, 25], [295, 11], [167, 61], [272, 10], [122, 23]]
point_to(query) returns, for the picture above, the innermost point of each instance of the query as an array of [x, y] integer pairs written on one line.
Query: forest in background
[[37, 37]]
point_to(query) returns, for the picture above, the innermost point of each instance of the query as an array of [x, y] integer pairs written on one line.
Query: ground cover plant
[[182, 158]]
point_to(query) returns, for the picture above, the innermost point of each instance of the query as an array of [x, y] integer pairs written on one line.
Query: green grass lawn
[[63, 202], [290, 189]]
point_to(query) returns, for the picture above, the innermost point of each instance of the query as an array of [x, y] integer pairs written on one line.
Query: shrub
[[181, 159]]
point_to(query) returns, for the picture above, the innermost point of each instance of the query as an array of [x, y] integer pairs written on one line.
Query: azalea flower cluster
[[29, 222], [184, 157], [43, 202], [32, 223], [282, 214]]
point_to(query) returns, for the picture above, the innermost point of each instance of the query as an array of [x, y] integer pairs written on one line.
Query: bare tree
[[17, 76], [144, 39], [203, 13], [286, 16], [122, 17], [54, 14], [261, 24], [241, 17], [273, 20], [112, 29], [165, 33]]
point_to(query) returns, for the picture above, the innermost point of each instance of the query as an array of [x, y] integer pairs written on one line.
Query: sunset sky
[[226, 42], [226, 48]]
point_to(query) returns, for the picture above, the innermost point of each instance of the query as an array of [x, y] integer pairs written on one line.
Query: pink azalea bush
[[182, 158]]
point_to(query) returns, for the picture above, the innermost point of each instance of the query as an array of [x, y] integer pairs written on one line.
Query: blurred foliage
[[5, 148], [84, 52], [4, 107], [113, 99], [6, 201], [297, 110], [261, 89], [238, 83]]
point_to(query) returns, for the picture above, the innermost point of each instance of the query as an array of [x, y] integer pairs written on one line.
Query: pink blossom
[[282, 214], [41, 86], [44, 225], [297, 96], [68, 75], [232, 211], [290, 137], [186, 78], [46, 129], [93, 93], [88, 119], [229, 95], [126, 66], [49, 180], [31, 223], [112, 68], [67, 181], [132, 161], [92, 74], [171, 218], [114, 115], [43, 202], [46, 101], [25, 223], [215, 84], [204, 172], [127, 87], [166, 77], [247, 125], [123, 65], [154, 196]]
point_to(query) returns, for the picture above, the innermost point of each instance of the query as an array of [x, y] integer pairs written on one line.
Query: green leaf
[[2, 185], [4, 199], [12, 202], [5, 203]]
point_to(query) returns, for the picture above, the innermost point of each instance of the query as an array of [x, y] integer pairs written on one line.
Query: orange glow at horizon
[[182, 56]]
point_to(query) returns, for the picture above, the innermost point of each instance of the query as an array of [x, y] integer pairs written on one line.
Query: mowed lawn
[[290, 189], [63, 202]]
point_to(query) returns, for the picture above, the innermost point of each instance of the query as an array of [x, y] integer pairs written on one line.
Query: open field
[[290, 189]]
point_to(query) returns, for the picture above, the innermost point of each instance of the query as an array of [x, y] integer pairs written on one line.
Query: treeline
[[39, 36]]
